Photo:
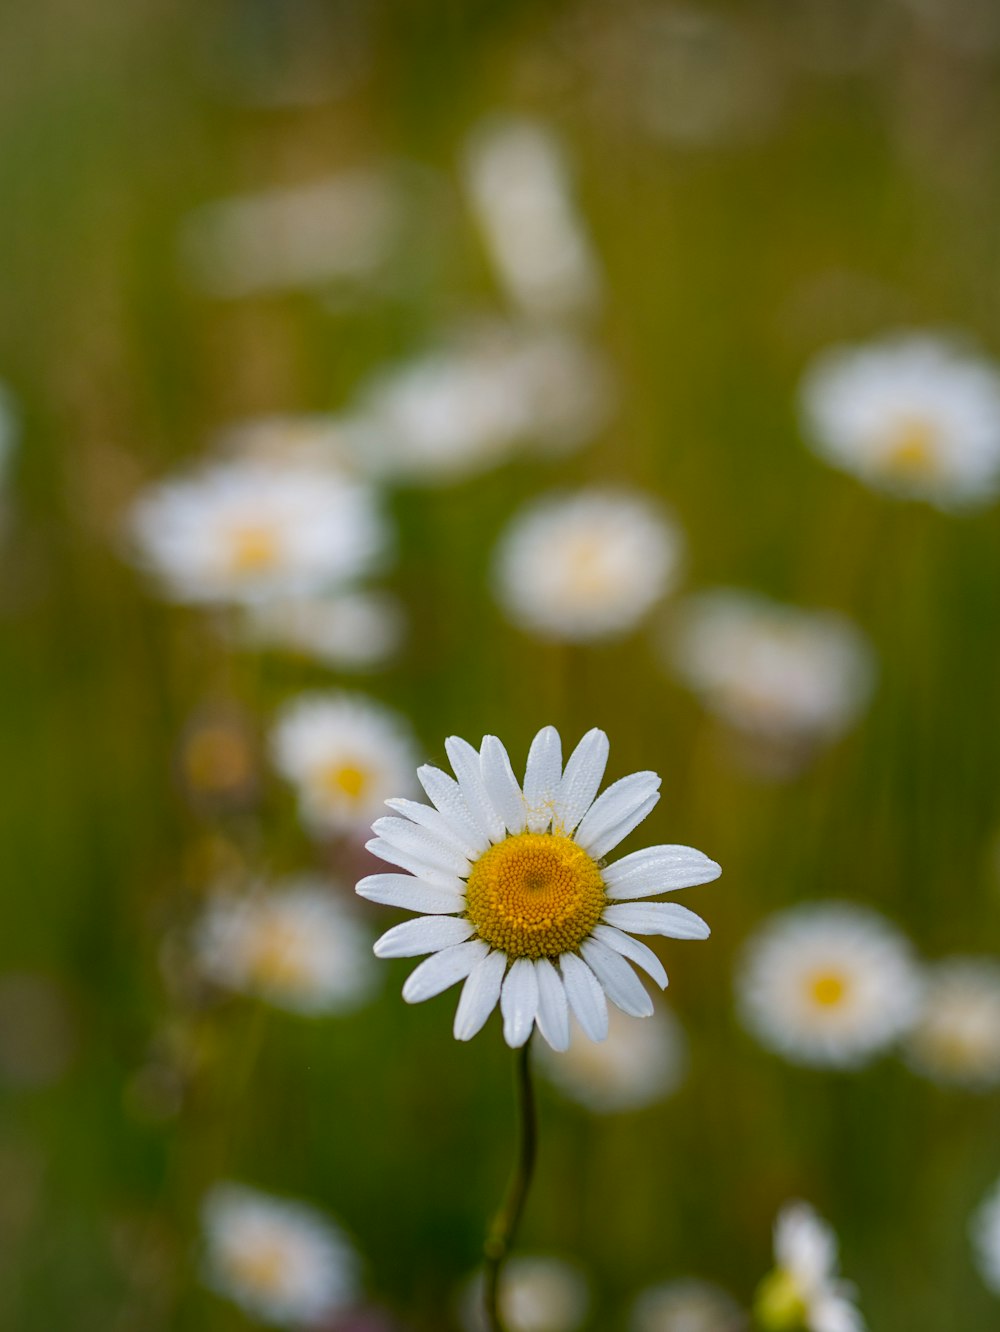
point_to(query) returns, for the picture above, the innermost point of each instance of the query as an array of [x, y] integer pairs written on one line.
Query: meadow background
[[817, 172]]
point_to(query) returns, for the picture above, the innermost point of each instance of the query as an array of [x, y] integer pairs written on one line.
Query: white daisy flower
[[956, 1038], [828, 984], [280, 1261], [639, 1064], [345, 755], [314, 440], [985, 1229], [804, 1290], [296, 946], [916, 415], [347, 630], [518, 183], [516, 898], [243, 532], [537, 1293], [586, 566], [686, 1305], [770, 671]]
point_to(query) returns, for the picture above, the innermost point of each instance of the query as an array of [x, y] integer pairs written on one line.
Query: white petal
[[465, 761], [446, 796], [666, 918], [553, 1010], [403, 890], [426, 934], [519, 1002], [600, 846], [416, 841], [618, 802], [454, 832], [639, 953], [582, 779], [542, 776], [501, 784], [437, 878], [479, 995], [622, 986], [440, 970], [658, 869], [586, 998]]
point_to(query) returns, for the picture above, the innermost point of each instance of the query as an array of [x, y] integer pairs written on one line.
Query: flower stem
[[504, 1225]]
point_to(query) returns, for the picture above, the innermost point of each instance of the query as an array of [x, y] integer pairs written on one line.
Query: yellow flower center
[[276, 955], [827, 988], [588, 575], [253, 549], [912, 448], [344, 779], [779, 1306], [535, 895], [261, 1266]]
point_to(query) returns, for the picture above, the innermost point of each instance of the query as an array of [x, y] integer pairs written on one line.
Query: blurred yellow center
[[253, 549], [589, 575], [779, 1306], [217, 758], [827, 989], [344, 779], [261, 1266], [535, 895], [912, 450], [277, 955]]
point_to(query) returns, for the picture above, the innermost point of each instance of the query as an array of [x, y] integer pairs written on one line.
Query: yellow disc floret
[[535, 895]]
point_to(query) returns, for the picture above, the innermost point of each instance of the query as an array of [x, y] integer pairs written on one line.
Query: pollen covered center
[[535, 895]]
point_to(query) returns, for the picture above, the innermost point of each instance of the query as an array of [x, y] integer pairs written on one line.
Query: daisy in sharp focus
[[828, 984], [804, 1291], [985, 1231], [914, 414], [280, 1261], [586, 566], [956, 1037], [242, 532], [515, 895]]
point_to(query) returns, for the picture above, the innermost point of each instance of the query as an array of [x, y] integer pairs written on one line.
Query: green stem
[[504, 1225]]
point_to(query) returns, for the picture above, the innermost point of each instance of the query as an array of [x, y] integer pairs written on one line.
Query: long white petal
[[519, 1002], [426, 934], [403, 890], [622, 986], [553, 1010], [479, 995], [658, 869], [465, 762], [501, 784], [667, 918], [461, 835], [639, 953], [416, 841], [446, 796], [618, 802], [582, 779], [600, 846], [437, 878], [586, 998], [440, 970], [542, 775]]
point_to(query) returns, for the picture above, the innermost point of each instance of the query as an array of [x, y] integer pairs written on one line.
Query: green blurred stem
[[504, 1225]]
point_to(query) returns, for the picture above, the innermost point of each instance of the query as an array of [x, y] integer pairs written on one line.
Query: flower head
[[586, 566], [915, 415], [830, 984], [348, 630], [538, 1293], [516, 898], [804, 1290], [687, 1305], [985, 1230], [956, 1037], [281, 1261], [639, 1064]]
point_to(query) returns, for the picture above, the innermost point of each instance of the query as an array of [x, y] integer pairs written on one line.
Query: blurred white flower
[[804, 1290], [317, 441], [828, 984], [687, 1305], [345, 755], [770, 671], [518, 183], [916, 415], [956, 1038], [280, 1261], [639, 1064], [985, 1229], [295, 945], [513, 894], [466, 407], [243, 532], [338, 229], [588, 565], [347, 630], [537, 1293]]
